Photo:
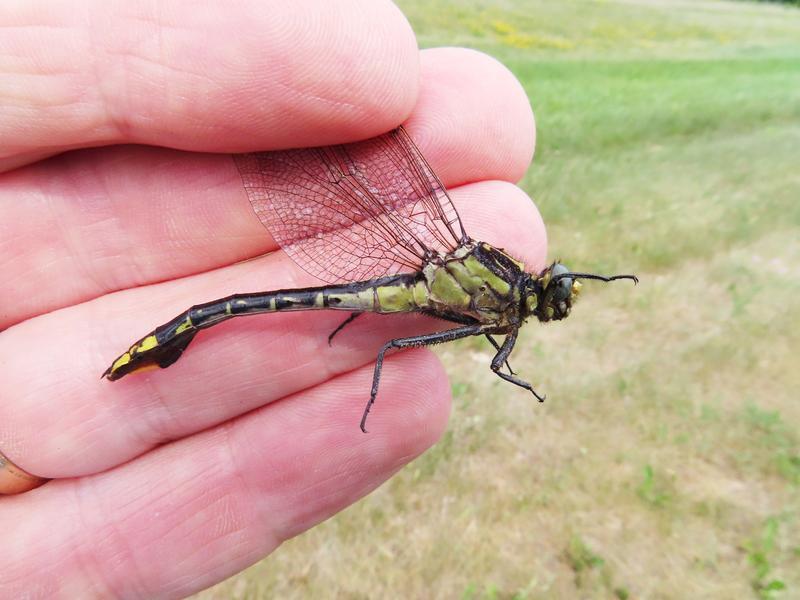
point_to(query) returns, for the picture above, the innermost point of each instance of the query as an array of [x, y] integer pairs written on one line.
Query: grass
[[666, 462]]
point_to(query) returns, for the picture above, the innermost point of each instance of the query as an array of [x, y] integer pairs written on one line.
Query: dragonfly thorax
[[475, 283]]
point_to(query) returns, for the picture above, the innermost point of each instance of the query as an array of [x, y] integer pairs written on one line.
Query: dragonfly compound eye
[[562, 287], [563, 290]]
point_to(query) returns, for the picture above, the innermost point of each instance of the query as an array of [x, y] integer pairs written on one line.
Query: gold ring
[[14, 480]]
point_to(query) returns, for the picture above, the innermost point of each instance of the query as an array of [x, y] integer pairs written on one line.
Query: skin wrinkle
[[227, 524], [198, 527], [62, 440], [19, 160], [24, 86], [128, 254], [287, 529], [74, 243], [351, 467], [85, 259], [115, 236], [292, 102], [134, 258], [158, 422], [345, 486], [167, 494], [250, 495], [92, 71], [114, 73], [16, 581], [236, 471], [178, 104], [214, 570], [128, 123], [83, 550]]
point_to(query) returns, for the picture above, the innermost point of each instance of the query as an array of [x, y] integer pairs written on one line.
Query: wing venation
[[354, 211]]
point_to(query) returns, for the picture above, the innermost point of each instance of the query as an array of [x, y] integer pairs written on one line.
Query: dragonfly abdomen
[[164, 345]]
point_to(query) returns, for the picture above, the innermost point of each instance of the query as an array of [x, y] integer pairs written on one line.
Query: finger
[[208, 77], [473, 119], [91, 222], [60, 420], [196, 511]]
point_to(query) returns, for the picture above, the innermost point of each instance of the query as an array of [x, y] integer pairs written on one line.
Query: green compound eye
[[563, 286], [563, 289]]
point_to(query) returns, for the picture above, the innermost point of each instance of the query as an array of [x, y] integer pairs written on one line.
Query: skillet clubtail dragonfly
[[374, 220]]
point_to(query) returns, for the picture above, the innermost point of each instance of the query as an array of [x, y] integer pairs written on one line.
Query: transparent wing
[[354, 211]]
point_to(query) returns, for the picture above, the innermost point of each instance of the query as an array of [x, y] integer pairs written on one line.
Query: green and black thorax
[[476, 283]]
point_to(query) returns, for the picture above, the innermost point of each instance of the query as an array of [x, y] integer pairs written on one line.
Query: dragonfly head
[[556, 288]]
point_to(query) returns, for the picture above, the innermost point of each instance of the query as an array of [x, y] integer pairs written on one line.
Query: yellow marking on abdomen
[[185, 326], [146, 344], [121, 362]]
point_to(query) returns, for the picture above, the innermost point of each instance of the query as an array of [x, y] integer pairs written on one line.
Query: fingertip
[[357, 78], [462, 86], [391, 77], [503, 215]]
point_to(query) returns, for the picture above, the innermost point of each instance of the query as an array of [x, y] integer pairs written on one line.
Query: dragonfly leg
[[343, 324], [502, 357], [494, 343], [415, 341]]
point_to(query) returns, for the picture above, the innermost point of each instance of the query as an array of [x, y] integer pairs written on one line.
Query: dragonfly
[[372, 220]]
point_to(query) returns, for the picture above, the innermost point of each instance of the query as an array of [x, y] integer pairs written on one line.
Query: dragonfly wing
[[354, 211]]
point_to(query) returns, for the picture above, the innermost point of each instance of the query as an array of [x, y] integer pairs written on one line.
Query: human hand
[[167, 482]]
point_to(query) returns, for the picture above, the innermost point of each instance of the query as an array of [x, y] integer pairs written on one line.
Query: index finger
[[211, 77]]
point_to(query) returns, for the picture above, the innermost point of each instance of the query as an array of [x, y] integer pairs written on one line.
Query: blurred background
[[666, 463]]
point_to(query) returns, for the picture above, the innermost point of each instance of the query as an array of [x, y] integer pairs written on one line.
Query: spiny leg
[[502, 357], [497, 347], [343, 324], [427, 339]]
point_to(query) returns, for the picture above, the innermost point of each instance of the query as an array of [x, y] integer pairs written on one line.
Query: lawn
[[666, 461]]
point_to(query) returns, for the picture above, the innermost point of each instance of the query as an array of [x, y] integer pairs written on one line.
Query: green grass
[[666, 462]]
